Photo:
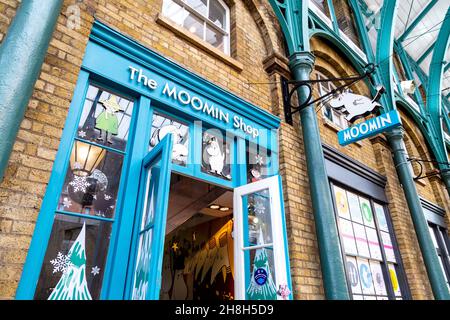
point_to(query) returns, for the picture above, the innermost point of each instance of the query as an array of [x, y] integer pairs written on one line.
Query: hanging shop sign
[[369, 128]]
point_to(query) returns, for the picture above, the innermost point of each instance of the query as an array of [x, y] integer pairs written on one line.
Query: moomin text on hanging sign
[[369, 128]]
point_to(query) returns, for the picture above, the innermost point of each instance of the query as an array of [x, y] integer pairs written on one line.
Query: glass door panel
[[260, 248], [152, 212]]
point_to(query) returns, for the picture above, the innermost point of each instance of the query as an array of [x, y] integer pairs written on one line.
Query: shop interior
[[198, 249]]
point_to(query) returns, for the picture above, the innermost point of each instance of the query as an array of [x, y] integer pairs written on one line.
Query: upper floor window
[[335, 116], [207, 19]]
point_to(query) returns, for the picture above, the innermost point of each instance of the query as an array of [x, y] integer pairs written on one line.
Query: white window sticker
[[361, 240], [348, 236]]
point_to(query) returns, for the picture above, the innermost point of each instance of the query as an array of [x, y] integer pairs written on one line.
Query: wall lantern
[[87, 180], [85, 158]]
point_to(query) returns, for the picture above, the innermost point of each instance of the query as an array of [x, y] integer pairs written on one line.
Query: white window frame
[[271, 184], [207, 22]]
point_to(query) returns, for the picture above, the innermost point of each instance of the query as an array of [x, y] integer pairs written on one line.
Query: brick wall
[[257, 45], [31, 161]]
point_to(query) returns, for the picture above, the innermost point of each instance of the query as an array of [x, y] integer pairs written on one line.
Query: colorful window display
[[76, 254], [136, 167], [372, 267]]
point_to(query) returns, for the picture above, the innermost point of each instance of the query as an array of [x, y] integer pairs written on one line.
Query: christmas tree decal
[[73, 284], [261, 285]]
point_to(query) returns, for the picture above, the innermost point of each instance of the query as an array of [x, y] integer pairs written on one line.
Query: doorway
[[198, 261]]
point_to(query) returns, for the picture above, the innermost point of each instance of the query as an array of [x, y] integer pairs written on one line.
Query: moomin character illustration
[[356, 106], [214, 156], [179, 149], [107, 121]]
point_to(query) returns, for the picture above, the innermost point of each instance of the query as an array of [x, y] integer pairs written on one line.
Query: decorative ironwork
[[433, 173], [288, 92]]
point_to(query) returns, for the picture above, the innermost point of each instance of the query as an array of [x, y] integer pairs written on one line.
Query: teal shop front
[[164, 186]]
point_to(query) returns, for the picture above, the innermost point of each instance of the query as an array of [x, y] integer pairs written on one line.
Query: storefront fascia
[[117, 63]]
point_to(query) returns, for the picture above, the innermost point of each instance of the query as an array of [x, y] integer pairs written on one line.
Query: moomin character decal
[[356, 106]]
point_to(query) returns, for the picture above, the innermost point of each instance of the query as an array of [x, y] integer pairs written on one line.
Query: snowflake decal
[[61, 263], [67, 203], [79, 184], [82, 134], [259, 208], [259, 160], [95, 270], [107, 197]]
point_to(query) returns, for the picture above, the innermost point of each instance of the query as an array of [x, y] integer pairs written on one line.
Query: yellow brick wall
[[256, 38]]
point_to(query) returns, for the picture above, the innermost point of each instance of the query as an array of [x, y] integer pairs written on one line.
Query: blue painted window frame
[[115, 273]]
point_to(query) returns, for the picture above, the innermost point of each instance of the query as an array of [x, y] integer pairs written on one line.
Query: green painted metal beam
[[331, 260], [398, 48], [384, 52], [362, 32], [434, 94], [333, 16], [293, 17], [416, 20], [425, 54], [385, 45], [435, 274], [21, 56], [294, 27]]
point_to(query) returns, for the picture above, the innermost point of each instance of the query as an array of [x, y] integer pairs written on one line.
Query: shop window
[[441, 243], [333, 115], [76, 253], [216, 154], [161, 126], [207, 19], [372, 265], [258, 163]]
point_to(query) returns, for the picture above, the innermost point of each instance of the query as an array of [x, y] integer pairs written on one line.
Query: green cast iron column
[[435, 274], [445, 176], [21, 56], [331, 260]]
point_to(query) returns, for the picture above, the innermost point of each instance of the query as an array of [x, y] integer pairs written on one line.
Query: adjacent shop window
[[333, 115], [207, 19], [371, 263], [76, 253], [442, 245], [163, 125]]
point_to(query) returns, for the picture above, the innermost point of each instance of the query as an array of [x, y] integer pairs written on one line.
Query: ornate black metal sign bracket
[[433, 173], [291, 86]]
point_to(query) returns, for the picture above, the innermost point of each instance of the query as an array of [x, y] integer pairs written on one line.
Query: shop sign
[[369, 128], [185, 98]]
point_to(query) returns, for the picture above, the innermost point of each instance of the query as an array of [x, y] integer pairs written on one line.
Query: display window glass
[[372, 265]]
